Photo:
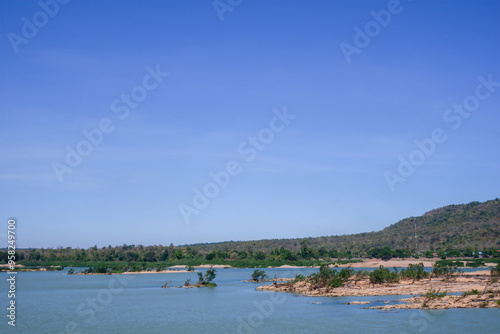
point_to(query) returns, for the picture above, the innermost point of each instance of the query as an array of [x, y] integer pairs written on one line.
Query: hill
[[474, 225], [452, 231]]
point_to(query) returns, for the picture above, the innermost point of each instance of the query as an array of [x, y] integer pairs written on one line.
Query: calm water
[[53, 302]]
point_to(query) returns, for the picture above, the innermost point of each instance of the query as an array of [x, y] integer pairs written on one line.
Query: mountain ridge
[[455, 226]]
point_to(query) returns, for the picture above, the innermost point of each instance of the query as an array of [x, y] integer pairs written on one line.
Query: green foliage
[[384, 275], [259, 256], [336, 282], [445, 271], [429, 254], [100, 269], [432, 293], [471, 292], [450, 231], [384, 253], [299, 278], [475, 263], [207, 278], [258, 275], [327, 277], [451, 263], [210, 284], [414, 271]]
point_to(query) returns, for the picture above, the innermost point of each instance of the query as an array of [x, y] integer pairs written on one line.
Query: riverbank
[[472, 281], [157, 272], [375, 263]]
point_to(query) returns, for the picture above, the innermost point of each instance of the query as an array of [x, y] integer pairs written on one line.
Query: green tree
[[178, 254], [258, 275]]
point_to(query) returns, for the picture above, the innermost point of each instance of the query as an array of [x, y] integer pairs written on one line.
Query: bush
[[383, 275], [452, 263], [207, 278], [299, 278], [434, 294], [475, 263], [446, 271], [258, 275], [471, 292], [359, 276], [330, 277], [414, 271], [335, 282]]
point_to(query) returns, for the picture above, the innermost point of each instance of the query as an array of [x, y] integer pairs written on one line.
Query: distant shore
[[181, 268], [157, 272]]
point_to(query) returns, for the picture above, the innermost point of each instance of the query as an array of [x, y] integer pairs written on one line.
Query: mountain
[[474, 225]]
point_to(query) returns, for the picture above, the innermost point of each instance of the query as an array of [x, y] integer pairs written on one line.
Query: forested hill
[[474, 225]]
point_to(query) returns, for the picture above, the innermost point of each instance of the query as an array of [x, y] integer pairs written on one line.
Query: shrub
[[414, 271], [434, 294], [383, 275], [258, 275], [207, 278], [475, 263], [298, 278], [327, 277], [471, 292], [447, 271], [335, 282], [359, 276]]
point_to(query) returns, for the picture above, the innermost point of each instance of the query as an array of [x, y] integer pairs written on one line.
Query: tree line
[[466, 230]]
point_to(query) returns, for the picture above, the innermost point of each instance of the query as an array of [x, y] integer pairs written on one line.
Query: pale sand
[[216, 266], [375, 263], [7, 265], [157, 272]]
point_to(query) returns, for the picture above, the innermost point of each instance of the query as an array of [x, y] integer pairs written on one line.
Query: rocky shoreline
[[425, 291], [268, 280]]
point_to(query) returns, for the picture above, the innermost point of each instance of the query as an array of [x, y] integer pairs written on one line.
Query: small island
[[203, 281]]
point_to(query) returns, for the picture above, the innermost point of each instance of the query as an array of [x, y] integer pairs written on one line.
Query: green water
[[53, 302]]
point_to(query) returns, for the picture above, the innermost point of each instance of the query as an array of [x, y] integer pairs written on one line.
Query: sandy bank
[[375, 263], [157, 272]]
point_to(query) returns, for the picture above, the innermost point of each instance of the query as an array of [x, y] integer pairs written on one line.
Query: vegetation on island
[[258, 275], [203, 280], [331, 278], [206, 280], [326, 277]]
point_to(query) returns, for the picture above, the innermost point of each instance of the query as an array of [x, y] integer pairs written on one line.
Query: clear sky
[[302, 110]]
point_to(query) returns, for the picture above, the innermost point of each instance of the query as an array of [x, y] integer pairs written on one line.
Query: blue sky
[[323, 173]]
